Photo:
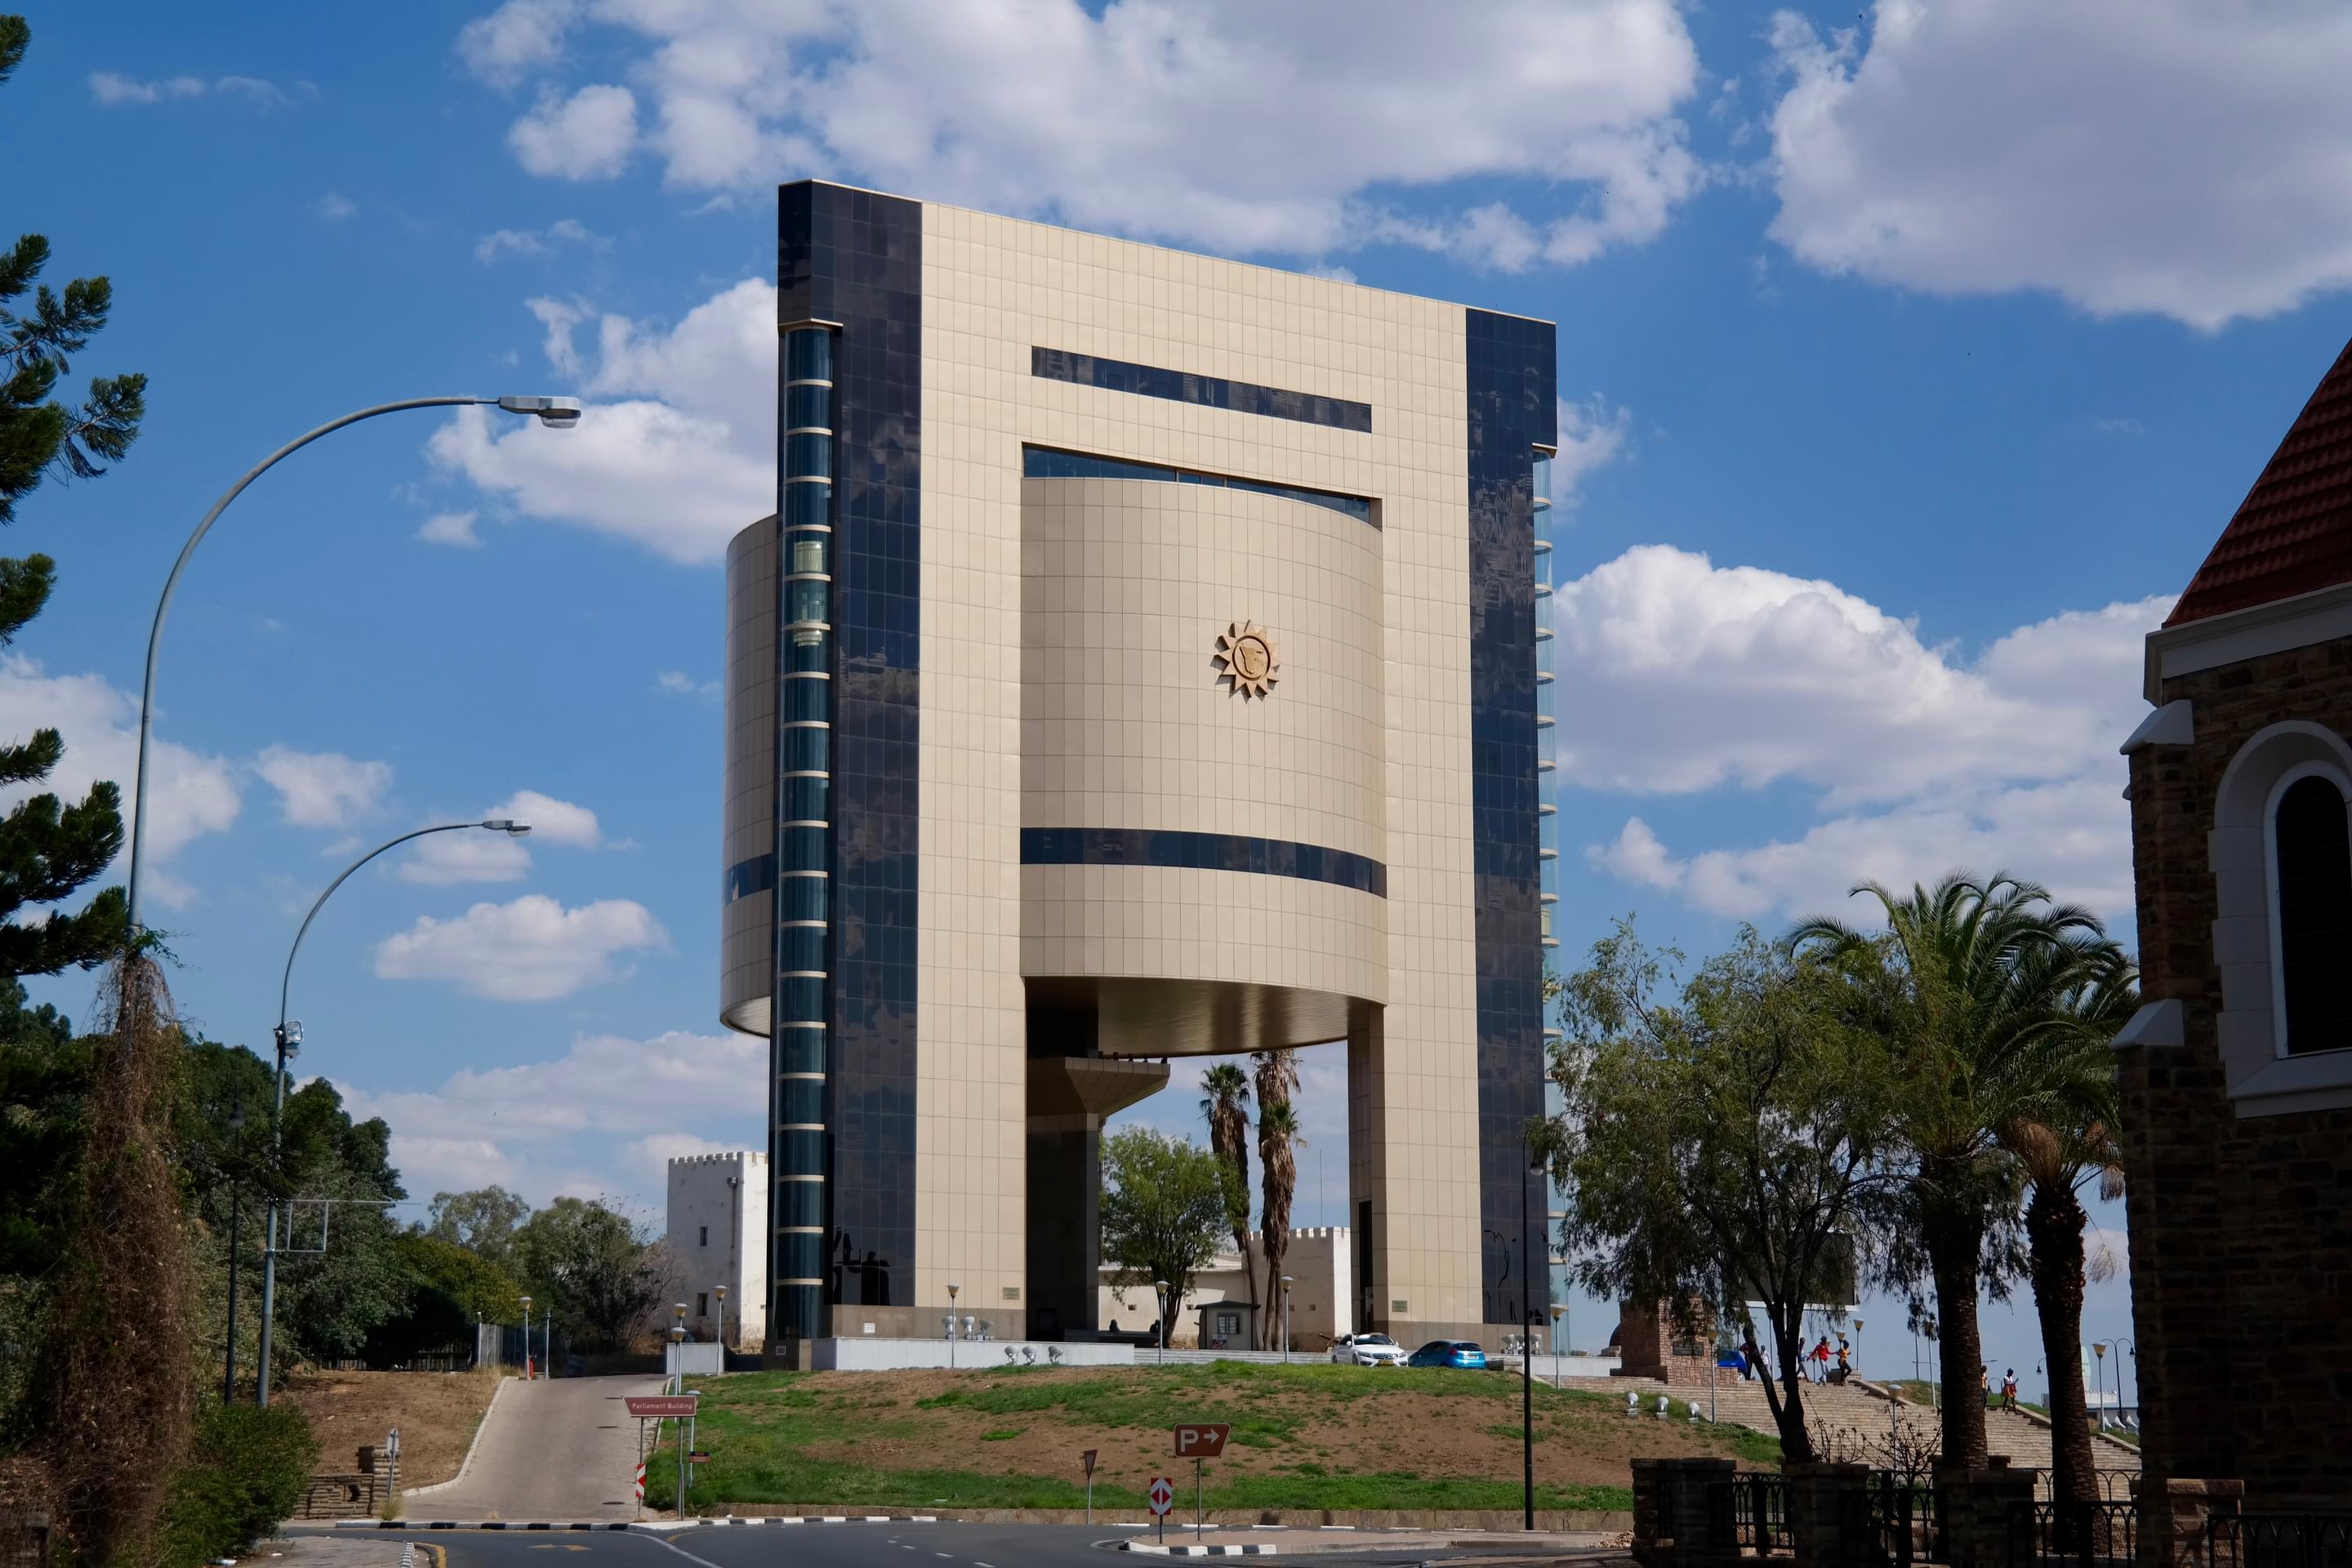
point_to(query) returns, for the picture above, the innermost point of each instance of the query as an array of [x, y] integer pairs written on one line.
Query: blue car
[[1450, 1352]]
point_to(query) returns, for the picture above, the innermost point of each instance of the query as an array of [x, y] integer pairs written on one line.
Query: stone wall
[[2241, 1231], [1647, 1345]]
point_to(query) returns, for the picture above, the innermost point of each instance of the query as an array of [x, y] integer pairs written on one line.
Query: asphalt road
[[553, 1448], [947, 1544]]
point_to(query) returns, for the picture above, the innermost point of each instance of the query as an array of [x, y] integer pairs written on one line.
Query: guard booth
[[1228, 1325]]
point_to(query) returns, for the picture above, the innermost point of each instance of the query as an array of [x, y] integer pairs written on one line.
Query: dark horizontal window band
[[1210, 391], [1185, 851], [745, 877], [1052, 463]]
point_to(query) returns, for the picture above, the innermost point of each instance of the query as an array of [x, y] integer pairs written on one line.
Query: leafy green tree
[[599, 1267], [450, 1290], [1967, 988], [1277, 1135], [483, 1221], [2065, 1144], [1165, 1203], [40, 437], [1228, 1111], [1728, 1146]]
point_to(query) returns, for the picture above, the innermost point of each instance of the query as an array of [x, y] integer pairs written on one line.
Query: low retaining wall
[[1494, 1519], [879, 1354]]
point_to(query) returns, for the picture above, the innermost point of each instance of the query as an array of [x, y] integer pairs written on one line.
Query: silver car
[[1368, 1350]]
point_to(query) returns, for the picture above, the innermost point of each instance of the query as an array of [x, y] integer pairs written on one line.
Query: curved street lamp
[[556, 413], [289, 1032]]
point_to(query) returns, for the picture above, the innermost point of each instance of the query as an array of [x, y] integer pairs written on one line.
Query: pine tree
[[40, 437], [49, 850]]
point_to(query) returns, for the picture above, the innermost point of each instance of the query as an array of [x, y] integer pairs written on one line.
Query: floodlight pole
[[288, 1034], [557, 412]]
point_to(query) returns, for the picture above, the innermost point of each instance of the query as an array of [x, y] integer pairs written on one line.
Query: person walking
[[1822, 1361], [2009, 1388], [1844, 1360]]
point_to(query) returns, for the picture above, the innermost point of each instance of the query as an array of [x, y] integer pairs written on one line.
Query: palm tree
[[1969, 985], [2062, 1145], [1277, 1135], [1277, 1077], [1228, 1111]]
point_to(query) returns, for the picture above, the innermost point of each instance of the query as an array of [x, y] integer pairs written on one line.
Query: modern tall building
[[1141, 665]]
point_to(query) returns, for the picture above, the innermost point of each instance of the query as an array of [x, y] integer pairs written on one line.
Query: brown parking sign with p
[[1201, 1442]]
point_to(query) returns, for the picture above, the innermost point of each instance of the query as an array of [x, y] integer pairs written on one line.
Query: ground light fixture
[[288, 1032], [555, 412]]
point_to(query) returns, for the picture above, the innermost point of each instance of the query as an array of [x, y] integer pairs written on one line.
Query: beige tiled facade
[[1067, 681]]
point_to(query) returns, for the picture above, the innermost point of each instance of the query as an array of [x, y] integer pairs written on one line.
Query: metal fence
[[2279, 1541], [1759, 1515], [2082, 1535], [1900, 1522]]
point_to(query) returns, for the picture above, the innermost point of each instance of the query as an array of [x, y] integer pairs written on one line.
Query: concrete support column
[[1368, 1171], [1065, 1179]]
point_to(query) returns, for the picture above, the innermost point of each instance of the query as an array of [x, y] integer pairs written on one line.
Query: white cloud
[[516, 36], [2166, 156], [261, 94], [563, 231], [335, 207], [111, 89], [323, 789], [680, 456], [532, 949], [442, 859], [679, 684], [550, 1126], [1696, 678], [452, 528], [588, 136], [1592, 434], [194, 793], [1241, 126]]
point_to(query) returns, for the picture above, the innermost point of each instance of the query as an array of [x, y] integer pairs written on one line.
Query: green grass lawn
[[788, 1437]]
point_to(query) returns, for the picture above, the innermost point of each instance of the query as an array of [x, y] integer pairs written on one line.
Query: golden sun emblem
[[1246, 651]]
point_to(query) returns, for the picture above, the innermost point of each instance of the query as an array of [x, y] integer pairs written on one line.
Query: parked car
[[1367, 1350], [1451, 1352]]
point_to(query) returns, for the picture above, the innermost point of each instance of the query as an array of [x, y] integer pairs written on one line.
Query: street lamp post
[[556, 413], [2099, 1348], [1286, 1319], [721, 1291], [288, 1034], [1159, 1290], [526, 1338], [1557, 1339], [952, 1289]]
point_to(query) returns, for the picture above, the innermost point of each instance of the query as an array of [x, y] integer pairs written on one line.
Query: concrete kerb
[[1469, 1520], [467, 1462]]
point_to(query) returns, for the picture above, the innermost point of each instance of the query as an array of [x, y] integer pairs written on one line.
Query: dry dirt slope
[[436, 1412]]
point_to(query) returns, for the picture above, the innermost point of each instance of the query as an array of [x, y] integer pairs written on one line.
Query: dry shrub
[[119, 1350]]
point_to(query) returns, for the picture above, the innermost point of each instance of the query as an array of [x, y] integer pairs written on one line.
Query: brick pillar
[[1980, 1510], [1829, 1514], [2173, 1514], [1651, 1528], [1698, 1505]]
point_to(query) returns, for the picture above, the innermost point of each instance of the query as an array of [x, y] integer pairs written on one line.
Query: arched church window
[[2311, 871]]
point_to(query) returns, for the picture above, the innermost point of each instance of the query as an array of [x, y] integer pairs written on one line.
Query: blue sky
[[1908, 369]]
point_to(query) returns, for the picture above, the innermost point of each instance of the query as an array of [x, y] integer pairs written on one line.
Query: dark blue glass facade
[[854, 259], [1048, 463], [1188, 851], [1512, 407], [1210, 391]]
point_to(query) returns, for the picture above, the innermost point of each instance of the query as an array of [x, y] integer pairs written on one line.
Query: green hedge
[[246, 1470]]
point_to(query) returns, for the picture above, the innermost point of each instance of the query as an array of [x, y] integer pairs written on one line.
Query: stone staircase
[[1852, 1422]]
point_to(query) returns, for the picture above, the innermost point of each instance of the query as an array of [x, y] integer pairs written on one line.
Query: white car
[[1368, 1350]]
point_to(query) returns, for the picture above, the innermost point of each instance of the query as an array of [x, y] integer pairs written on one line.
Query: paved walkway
[[558, 1448]]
